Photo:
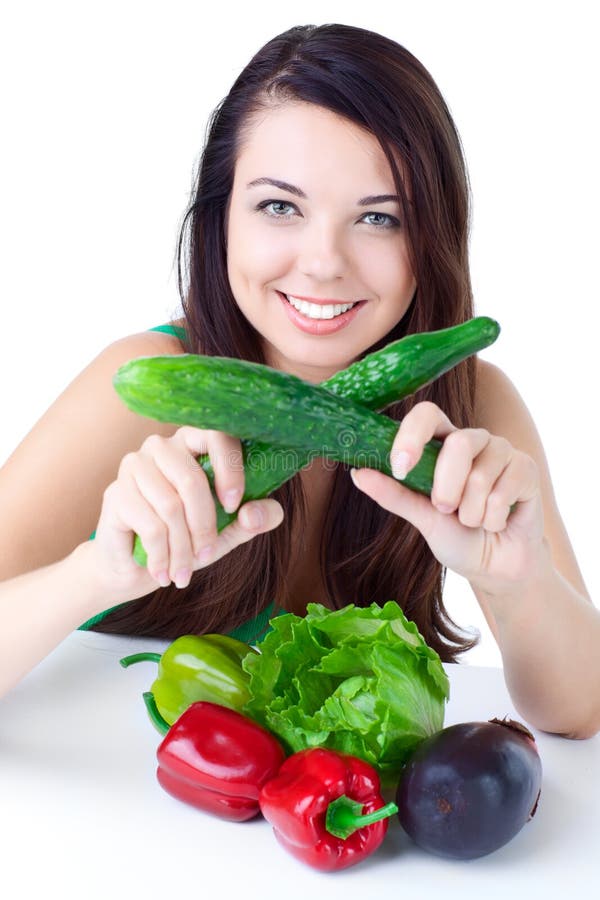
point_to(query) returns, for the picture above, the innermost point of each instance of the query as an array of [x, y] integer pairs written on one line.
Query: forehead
[[298, 141]]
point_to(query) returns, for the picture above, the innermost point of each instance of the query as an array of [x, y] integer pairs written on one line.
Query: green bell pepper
[[198, 667]]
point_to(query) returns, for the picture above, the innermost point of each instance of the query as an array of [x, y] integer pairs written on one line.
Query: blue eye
[[392, 222], [262, 207]]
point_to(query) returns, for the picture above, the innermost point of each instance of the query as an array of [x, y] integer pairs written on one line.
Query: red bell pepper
[[326, 809], [215, 758]]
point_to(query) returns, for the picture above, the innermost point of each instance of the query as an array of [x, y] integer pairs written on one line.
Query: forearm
[[549, 639], [39, 609]]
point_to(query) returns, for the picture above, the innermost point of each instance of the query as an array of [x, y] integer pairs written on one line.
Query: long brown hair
[[366, 553]]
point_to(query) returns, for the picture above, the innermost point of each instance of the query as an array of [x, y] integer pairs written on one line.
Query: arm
[[39, 609], [52, 484], [549, 637], [547, 628], [160, 492], [51, 491], [521, 567]]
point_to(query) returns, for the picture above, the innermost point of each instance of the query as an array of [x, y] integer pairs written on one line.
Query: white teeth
[[316, 311]]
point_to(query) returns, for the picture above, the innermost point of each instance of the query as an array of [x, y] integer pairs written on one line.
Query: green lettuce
[[358, 680]]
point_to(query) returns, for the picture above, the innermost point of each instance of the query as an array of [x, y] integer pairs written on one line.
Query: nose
[[321, 254]]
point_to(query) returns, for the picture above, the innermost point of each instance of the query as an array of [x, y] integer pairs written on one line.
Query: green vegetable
[[166, 388], [360, 681], [406, 365], [197, 667], [251, 400]]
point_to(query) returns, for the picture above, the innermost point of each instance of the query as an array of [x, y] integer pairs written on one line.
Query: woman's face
[[326, 245]]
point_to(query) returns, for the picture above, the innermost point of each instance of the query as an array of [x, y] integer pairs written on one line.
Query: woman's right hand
[[162, 494]]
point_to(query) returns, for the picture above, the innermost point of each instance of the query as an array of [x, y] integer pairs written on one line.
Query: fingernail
[[353, 476], [163, 579], [182, 578], [232, 498], [400, 461], [255, 516]]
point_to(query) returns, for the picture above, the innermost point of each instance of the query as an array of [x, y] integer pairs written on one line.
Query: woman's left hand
[[467, 521]]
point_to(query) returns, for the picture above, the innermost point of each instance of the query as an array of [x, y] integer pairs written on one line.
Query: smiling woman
[[369, 222], [343, 132], [330, 217]]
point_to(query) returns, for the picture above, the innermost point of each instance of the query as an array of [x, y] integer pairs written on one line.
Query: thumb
[[269, 514], [260, 515], [526, 519]]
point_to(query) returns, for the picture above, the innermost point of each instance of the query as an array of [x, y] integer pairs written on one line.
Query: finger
[[423, 422], [225, 452], [398, 499], [126, 511], [518, 484], [199, 511], [177, 488], [454, 466], [487, 469], [246, 526]]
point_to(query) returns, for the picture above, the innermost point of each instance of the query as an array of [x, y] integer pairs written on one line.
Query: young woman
[[330, 217]]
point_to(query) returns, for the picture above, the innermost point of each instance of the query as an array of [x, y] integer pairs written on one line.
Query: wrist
[[521, 590], [95, 594]]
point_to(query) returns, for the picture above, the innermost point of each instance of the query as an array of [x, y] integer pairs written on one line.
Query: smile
[[318, 311]]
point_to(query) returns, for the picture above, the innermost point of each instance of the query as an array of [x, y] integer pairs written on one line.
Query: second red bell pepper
[[326, 809], [215, 758]]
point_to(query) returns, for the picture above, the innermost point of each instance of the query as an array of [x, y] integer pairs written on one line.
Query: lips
[[319, 326]]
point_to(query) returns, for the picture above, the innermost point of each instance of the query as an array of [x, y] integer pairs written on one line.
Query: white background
[[104, 111]]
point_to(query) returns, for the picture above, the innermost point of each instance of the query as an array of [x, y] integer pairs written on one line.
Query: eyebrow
[[292, 189]]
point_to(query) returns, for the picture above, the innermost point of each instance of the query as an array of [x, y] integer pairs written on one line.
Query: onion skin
[[470, 788]]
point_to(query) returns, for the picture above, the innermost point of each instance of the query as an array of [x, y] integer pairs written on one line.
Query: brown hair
[[377, 84]]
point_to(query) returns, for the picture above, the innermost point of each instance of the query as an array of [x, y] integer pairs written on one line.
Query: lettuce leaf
[[360, 680]]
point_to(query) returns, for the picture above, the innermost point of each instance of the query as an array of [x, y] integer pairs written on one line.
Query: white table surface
[[82, 815]]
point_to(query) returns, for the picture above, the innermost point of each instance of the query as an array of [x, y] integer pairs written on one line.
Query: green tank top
[[248, 631]]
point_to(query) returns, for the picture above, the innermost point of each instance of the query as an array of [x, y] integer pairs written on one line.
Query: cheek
[[389, 271], [256, 259], [405, 280]]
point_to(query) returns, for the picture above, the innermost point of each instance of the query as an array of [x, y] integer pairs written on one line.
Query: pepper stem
[[155, 717], [139, 657], [344, 817]]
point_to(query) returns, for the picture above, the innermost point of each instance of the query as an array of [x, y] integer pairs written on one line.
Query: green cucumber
[[408, 364], [251, 400], [389, 374]]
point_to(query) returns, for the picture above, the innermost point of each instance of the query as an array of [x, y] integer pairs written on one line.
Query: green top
[[249, 631]]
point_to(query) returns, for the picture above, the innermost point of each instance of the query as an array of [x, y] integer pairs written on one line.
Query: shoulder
[[493, 385], [147, 343], [82, 438], [500, 408], [97, 379]]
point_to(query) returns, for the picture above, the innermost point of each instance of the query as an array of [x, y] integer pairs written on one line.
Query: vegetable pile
[[335, 700], [359, 680]]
